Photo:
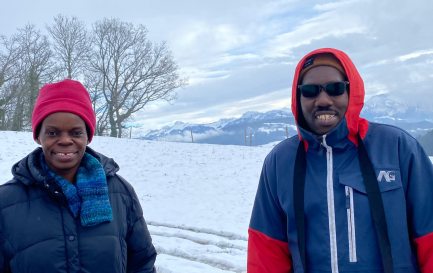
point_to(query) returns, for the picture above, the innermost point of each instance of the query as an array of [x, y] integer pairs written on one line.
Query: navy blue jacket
[[339, 233], [39, 234]]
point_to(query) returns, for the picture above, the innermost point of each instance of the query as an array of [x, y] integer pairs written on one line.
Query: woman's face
[[63, 138]]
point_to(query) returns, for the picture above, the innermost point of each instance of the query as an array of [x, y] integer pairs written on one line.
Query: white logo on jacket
[[388, 175]]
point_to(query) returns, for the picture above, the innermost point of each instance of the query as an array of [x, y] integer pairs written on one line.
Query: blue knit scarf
[[88, 198]]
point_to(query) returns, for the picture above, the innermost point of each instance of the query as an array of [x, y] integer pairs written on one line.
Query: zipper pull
[[347, 197]]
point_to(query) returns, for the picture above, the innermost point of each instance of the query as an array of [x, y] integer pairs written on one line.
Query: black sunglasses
[[332, 89]]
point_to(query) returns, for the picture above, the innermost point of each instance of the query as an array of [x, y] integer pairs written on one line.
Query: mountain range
[[256, 128]]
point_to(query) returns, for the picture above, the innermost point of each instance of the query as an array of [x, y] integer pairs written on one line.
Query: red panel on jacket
[[424, 250], [267, 255]]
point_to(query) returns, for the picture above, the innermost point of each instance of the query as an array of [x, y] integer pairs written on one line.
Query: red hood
[[355, 124]]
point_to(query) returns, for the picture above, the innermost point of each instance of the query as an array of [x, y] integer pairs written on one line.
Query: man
[[345, 195]]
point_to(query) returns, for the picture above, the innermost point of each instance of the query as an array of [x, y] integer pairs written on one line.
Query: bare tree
[[121, 68], [32, 68], [94, 83], [134, 71], [70, 44], [9, 54]]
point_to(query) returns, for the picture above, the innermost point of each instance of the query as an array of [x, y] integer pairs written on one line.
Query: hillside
[[186, 191]]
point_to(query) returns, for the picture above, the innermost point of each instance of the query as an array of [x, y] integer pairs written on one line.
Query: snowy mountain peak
[[387, 106], [277, 125]]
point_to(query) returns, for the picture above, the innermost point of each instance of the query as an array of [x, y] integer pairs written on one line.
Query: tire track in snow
[[202, 241], [214, 262], [228, 235], [222, 250]]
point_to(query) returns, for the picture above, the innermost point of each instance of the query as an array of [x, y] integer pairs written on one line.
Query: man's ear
[[38, 141]]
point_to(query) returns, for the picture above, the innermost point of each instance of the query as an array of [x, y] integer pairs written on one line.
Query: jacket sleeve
[[268, 250], [418, 171], [141, 252]]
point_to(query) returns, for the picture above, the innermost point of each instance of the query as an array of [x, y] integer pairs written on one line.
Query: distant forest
[[427, 142]]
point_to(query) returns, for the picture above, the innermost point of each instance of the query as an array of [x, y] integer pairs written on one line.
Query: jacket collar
[[336, 138]]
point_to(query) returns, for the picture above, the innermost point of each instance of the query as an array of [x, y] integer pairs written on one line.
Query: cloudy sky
[[239, 55]]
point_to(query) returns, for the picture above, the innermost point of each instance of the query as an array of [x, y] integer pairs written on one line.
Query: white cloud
[[331, 20], [266, 102], [240, 55], [186, 136], [414, 55]]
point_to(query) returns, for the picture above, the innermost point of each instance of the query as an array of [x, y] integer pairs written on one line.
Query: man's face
[[63, 139], [323, 112]]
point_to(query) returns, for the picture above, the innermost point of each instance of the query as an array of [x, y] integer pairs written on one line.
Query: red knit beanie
[[64, 96]]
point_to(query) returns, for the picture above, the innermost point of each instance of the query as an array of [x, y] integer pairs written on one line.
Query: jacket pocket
[[351, 230], [388, 181]]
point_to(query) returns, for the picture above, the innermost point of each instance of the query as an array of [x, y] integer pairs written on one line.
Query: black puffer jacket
[[39, 234]]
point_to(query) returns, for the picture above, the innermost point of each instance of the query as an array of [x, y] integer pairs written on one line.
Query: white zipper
[[331, 208], [351, 224]]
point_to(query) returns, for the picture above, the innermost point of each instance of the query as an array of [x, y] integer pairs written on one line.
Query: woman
[[66, 209]]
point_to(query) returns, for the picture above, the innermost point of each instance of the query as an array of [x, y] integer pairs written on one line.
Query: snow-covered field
[[196, 198]]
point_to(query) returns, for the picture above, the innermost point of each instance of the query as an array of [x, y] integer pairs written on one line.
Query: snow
[[196, 198]]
